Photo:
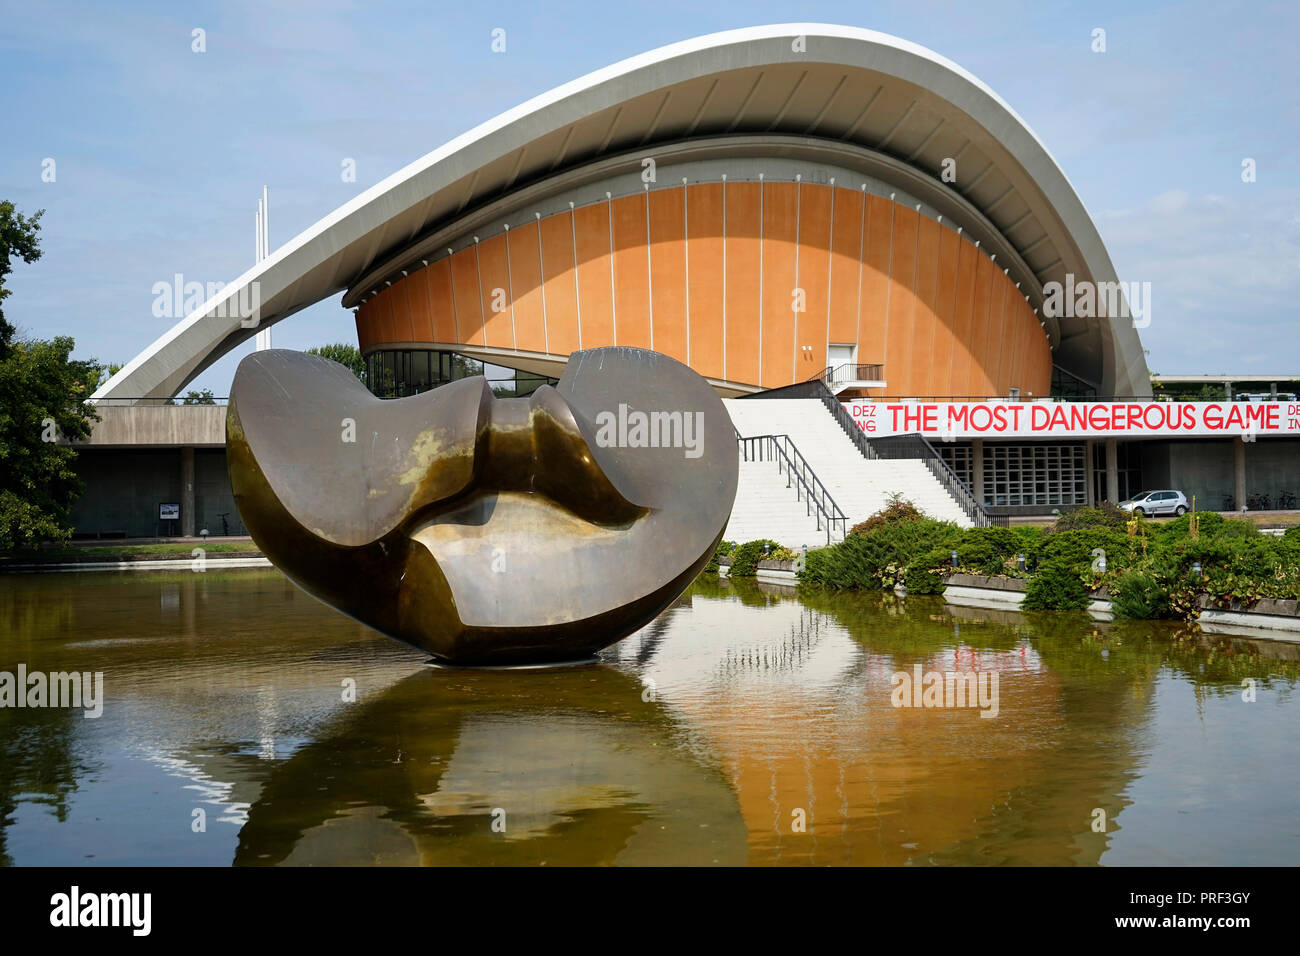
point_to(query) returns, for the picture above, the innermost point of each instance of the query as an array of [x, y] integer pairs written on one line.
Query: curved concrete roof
[[839, 85]]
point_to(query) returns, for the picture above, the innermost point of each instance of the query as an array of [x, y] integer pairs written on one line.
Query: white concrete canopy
[[834, 84]]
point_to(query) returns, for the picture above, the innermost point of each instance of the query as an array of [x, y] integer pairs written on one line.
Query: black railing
[[850, 373], [915, 446], [808, 488], [178, 400]]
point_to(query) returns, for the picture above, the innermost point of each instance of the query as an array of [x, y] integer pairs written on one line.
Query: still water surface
[[745, 725]]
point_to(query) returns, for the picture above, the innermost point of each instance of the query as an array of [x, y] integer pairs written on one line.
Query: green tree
[[192, 397], [42, 394], [42, 401], [109, 371], [349, 356], [17, 238]]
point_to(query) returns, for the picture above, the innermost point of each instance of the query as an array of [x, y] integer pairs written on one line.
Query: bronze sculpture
[[486, 530]]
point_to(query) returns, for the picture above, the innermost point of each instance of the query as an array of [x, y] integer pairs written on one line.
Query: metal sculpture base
[[484, 530]]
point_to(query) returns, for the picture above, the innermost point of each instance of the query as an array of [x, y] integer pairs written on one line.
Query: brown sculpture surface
[[486, 530]]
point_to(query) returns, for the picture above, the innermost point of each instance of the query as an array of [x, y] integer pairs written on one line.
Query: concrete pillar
[[977, 468], [1112, 470], [1091, 489], [187, 492], [1239, 471]]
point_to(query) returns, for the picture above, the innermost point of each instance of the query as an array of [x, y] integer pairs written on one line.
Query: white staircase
[[766, 508], [860, 486]]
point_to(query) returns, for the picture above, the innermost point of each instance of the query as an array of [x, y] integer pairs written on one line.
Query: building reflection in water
[[742, 726]]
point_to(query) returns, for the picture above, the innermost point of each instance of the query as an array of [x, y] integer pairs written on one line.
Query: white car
[[1157, 503]]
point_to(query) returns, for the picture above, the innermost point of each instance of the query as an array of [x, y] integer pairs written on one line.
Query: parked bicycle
[[1286, 500], [1258, 502], [225, 525], [1229, 503]]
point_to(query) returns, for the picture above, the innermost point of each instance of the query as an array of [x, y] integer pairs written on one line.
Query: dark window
[[397, 373]]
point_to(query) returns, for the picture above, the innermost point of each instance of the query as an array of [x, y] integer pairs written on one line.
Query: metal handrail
[[809, 488], [177, 401], [920, 448], [916, 445]]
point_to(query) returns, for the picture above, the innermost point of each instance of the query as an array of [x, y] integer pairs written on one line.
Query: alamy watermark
[[630, 428], [178, 298], [1084, 300], [946, 689], [57, 689], [127, 910]]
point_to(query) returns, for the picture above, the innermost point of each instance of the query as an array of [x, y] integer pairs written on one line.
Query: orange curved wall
[[708, 274]]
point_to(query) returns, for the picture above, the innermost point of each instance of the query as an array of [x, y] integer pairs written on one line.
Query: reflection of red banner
[[1076, 419]]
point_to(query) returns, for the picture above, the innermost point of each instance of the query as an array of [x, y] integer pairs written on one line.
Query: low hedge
[[1150, 570]]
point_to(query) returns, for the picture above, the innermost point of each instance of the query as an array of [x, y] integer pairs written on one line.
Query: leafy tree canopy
[[349, 356], [42, 402], [18, 237]]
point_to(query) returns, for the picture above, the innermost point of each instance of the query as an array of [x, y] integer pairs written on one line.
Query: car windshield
[[1141, 495]]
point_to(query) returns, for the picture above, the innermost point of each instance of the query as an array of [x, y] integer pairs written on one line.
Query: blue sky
[[161, 153]]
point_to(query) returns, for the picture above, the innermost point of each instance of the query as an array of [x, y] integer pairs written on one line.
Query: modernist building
[[763, 204], [760, 204]]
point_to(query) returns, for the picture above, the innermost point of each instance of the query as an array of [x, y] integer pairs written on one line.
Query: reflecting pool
[[244, 722]]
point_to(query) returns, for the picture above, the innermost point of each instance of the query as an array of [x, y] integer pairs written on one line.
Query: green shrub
[[1105, 515], [987, 550], [1141, 594], [898, 509], [1078, 548], [1056, 586], [744, 560], [1211, 525], [724, 548], [1239, 528], [924, 575], [873, 559], [1028, 537]]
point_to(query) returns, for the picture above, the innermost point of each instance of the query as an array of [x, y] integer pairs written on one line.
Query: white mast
[[263, 250]]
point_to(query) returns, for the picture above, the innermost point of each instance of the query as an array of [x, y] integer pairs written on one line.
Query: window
[[1039, 474], [397, 373], [958, 458]]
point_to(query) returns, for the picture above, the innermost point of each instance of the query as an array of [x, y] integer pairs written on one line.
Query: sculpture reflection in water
[[570, 767], [486, 530]]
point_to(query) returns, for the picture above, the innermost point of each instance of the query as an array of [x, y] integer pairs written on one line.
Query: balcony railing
[[844, 374]]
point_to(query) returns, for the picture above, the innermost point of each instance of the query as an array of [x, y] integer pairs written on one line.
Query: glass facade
[[1128, 457], [1024, 475], [1065, 385], [958, 458], [1035, 475], [397, 373]]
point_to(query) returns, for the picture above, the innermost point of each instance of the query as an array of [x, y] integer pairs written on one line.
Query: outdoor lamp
[[1196, 570], [204, 535], [1020, 562], [954, 559]]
